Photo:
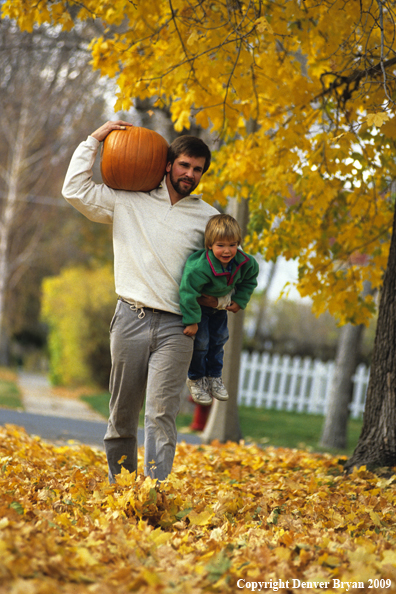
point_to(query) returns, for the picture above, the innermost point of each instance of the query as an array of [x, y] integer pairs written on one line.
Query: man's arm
[[95, 201], [208, 301]]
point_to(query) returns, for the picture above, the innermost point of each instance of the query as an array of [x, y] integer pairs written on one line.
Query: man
[[153, 235]]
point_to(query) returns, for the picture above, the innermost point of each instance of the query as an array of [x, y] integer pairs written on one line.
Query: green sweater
[[204, 274]]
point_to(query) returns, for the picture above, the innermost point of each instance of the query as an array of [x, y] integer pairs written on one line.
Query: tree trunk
[[223, 421], [336, 422], [377, 443], [258, 331], [8, 215]]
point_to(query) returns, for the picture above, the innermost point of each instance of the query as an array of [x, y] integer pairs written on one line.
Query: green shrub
[[78, 306]]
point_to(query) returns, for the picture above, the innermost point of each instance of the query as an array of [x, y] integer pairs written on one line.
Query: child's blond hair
[[222, 227]]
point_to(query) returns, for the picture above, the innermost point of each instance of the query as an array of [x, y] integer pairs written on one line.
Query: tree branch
[[354, 78], [381, 19]]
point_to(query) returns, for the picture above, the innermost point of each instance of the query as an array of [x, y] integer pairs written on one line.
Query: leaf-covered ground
[[230, 518]]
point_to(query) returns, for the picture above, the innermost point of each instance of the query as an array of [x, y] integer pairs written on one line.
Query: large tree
[[318, 79], [377, 442]]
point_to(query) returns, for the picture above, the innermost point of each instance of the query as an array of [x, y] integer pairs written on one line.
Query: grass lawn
[[267, 427], [290, 429], [10, 396]]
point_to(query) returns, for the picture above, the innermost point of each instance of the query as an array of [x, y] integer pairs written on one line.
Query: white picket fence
[[294, 383]]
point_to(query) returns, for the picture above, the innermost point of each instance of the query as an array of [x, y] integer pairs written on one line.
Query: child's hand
[[234, 307], [191, 330]]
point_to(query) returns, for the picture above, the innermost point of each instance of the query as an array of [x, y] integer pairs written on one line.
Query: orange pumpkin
[[133, 159]]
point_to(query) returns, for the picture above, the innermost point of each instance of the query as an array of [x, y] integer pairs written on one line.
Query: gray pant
[[150, 356]]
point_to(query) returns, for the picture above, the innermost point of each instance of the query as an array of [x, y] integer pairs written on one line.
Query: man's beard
[[178, 187]]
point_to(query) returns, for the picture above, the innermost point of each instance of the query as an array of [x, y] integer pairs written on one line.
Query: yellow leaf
[[282, 553], [200, 519], [64, 520], [375, 518], [193, 38], [389, 558], [263, 25], [183, 121], [3, 523], [125, 477], [151, 577], [245, 192], [85, 556], [159, 537], [377, 119]]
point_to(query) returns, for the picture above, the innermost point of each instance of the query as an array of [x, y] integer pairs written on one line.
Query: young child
[[223, 271]]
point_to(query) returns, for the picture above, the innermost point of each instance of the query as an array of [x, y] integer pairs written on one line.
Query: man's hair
[[190, 146], [222, 227]]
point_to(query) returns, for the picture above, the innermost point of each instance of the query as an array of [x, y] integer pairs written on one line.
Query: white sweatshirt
[[151, 238]]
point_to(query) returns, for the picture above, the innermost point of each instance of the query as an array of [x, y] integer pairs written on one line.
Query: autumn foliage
[[301, 94], [227, 515]]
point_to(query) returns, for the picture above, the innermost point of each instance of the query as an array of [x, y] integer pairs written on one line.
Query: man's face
[[185, 173]]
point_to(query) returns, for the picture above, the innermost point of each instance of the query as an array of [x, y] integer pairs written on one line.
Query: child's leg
[[218, 336], [197, 382], [201, 346], [218, 333]]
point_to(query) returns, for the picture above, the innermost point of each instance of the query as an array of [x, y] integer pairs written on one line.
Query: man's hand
[[208, 301], [101, 133], [234, 307], [191, 330]]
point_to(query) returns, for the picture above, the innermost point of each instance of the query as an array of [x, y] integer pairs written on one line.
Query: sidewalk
[[59, 419], [39, 398]]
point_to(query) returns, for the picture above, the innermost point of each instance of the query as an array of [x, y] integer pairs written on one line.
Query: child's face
[[224, 250]]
